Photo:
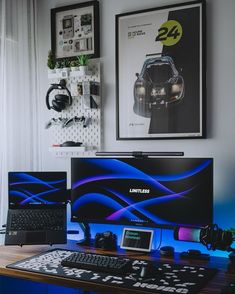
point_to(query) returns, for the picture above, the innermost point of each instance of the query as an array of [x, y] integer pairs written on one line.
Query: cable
[[160, 241]]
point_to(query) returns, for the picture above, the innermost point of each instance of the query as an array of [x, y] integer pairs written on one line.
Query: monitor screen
[[153, 192], [31, 188]]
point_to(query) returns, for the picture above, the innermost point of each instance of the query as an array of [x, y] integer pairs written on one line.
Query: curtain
[[19, 130]]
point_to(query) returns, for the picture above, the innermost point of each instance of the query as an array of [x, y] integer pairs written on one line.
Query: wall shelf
[[65, 74], [67, 151]]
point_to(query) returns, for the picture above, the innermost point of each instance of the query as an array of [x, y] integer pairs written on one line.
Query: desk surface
[[11, 254]]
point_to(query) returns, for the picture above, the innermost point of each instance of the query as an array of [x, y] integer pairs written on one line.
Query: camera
[[106, 240]]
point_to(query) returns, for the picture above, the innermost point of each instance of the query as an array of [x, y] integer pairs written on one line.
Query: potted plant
[[74, 65], [51, 62], [59, 66], [66, 64], [83, 64]]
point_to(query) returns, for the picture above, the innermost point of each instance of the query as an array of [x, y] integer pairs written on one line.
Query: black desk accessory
[[106, 240], [167, 251], [146, 271], [59, 101], [98, 262], [70, 144], [231, 265], [194, 254], [73, 232], [87, 241], [210, 236], [228, 289]]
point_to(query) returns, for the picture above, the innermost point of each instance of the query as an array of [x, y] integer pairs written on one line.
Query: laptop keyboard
[[37, 219]]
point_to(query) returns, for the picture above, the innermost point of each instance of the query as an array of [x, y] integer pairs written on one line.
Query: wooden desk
[[10, 254]]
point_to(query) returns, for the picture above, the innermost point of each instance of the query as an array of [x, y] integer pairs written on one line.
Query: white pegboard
[[90, 136]]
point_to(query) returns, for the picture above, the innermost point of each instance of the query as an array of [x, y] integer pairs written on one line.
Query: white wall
[[220, 94]]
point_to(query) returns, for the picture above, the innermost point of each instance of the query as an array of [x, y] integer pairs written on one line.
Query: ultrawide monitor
[[153, 192], [34, 188]]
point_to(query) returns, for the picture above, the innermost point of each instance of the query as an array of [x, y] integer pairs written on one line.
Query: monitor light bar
[[139, 153]]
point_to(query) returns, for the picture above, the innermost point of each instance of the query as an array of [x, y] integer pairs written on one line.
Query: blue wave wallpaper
[[30, 188], [148, 191]]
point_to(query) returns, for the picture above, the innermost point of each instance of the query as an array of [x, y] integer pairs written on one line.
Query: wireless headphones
[[60, 101]]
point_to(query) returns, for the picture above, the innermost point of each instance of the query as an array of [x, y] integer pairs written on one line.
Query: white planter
[[59, 70], [74, 68], [51, 71], [66, 69], [83, 69]]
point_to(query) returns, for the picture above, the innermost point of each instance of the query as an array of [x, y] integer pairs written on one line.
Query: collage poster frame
[[75, 31]]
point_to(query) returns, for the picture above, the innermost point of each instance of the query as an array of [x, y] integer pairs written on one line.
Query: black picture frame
[[166, 46], [75, 30]]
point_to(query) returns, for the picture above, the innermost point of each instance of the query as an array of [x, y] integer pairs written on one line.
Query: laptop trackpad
[[35, 237]]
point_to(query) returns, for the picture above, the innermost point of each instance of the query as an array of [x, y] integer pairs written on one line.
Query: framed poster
[[75, 30], [160, 72]]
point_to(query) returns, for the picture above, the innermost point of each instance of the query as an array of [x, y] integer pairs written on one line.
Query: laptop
[[37, 208]]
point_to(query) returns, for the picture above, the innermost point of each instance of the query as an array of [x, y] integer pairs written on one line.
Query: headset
[[60, 101]]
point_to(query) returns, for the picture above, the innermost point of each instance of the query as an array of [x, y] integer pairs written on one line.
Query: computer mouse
[[70, 144], [147, 271]]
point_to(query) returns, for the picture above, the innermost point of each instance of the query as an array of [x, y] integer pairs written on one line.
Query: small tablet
[[137, 239]]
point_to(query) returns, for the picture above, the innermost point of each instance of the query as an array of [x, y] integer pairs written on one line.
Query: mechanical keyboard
[[98, 262]]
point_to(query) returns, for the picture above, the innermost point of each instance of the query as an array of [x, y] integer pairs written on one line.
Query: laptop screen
[[26, 189]]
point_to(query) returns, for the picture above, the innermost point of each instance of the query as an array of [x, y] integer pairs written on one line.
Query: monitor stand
[[87, 241]]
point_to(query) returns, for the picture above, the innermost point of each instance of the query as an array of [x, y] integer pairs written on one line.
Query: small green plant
[[83, 59], [65, 63], [51, 63], [74, 63], [59, 64]]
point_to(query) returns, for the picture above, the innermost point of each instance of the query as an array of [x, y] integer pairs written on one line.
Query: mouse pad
[[168, 278]]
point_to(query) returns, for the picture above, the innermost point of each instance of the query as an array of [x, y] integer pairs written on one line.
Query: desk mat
[[171, 278]]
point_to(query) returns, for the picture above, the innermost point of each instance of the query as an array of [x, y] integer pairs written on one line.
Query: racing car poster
[[161, 72]]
